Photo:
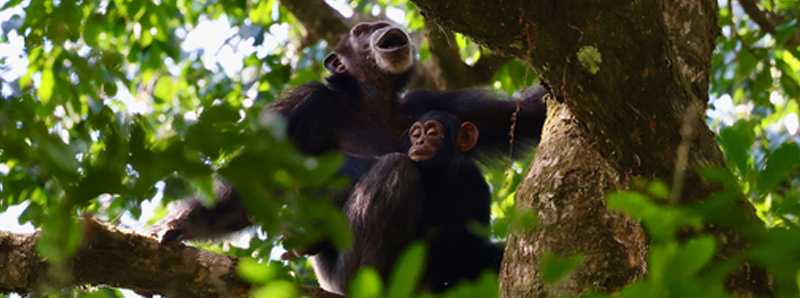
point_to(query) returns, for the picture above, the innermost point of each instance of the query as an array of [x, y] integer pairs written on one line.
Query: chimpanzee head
[[437, 136], [372, 51]]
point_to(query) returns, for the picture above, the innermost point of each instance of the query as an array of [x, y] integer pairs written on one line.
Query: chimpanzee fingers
[[290, 255], [172, 235]]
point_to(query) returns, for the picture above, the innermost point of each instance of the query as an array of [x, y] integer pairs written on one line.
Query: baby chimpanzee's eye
[[416, 132]]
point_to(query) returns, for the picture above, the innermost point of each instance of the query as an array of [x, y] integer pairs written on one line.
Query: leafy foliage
[[113, 105]]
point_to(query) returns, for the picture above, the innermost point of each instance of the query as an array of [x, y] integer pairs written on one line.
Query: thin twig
[[682, 160]]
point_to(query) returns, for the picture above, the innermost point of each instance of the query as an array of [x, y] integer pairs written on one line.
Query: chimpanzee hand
[[173, 228], [196, 221]]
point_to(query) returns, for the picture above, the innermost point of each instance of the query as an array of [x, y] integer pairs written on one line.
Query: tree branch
[[765, 20], [758, 16], [109, 256], [122, 259], [320, 20], [622, 76], [453, 72]]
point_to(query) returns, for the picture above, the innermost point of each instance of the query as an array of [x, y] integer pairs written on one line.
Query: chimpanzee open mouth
[[393, 39]]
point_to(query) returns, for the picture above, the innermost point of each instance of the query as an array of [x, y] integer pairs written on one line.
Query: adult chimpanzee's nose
[[380, 24], [361, 28]]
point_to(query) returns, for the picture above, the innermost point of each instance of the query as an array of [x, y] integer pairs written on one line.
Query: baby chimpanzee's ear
[[334, 64], [467, 136]]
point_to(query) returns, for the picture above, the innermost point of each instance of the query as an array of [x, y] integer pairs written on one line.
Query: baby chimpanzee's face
[[427, 138]]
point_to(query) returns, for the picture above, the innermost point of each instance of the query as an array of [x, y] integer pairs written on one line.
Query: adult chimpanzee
[[360, 111]]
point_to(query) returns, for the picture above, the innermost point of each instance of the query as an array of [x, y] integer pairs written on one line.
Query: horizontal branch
[[454, 73], [109, 256], [320, 20]]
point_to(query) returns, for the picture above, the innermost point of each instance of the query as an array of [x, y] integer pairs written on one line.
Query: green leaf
[[407, 272], [736, 141], [661, 221], [781, 163], [790, 72], [61, 235], [638, 290], [46, 86], [785, 31], [555, 268], [10, 3], [277, 289], [695, 254], [258, 273], [366, 284], [262, 14], [658, 189], [797, 279], [747, 62], [485, 287], [524, 220], [165, 89]]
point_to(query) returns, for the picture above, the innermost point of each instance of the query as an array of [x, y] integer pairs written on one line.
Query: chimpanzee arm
[[193, 220], [474, 192], [491, 114], [314, 113], [196, 221]]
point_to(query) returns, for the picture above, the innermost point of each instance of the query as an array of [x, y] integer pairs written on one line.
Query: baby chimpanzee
[[456, 198], [435, 193]]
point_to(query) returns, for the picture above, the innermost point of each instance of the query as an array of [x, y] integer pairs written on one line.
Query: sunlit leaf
[[407, 272], [695, 254], [555, 268], [736, 141], [277, 289], [781, 163], [366, 284], [258, 273], [46, 86]]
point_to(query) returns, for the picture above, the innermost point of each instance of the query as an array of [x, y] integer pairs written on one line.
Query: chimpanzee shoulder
[[457, 102], [315, 112], [339, 88], [344, 85]]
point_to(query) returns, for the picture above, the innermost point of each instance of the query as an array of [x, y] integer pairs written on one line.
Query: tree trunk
[[629, 81]]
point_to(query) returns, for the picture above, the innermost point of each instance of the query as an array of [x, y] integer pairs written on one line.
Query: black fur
[[398, 201], [384, 211], [315, 121], [392, 201], [456, 198]]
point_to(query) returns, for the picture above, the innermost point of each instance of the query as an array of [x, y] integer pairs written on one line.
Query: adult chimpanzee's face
[[427, 139], [375, 44]]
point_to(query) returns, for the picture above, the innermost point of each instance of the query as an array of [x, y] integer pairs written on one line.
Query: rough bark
[[121, 259], [607, 125], [572, 216], [454, 73], [109, 256], [320, 20]]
